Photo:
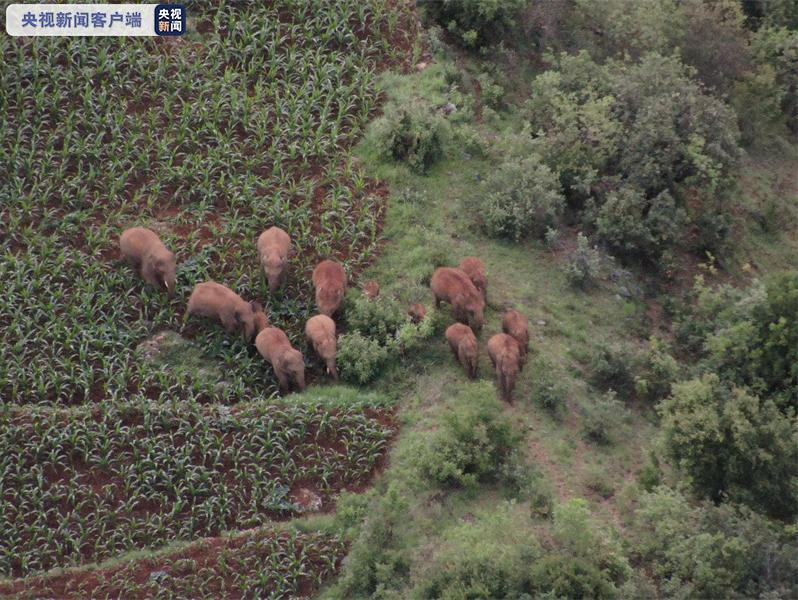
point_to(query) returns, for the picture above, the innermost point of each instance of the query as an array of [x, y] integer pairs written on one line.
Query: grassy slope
[[566, 324]]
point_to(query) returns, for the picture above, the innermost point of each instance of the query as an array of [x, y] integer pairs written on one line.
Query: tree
[[730, 443]]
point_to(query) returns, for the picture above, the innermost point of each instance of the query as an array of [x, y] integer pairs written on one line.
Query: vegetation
[[625, 171], [84, 486], [266, 564]]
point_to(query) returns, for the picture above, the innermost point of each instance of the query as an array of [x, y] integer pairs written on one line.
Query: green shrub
[[475, 22], [633, 224], [561, 576], [597, 480], [588, 563], [658, 372], [473, 442], [750, 336], [706, 551], [777, 47], [600, 418], [484, 559], [548, 392], [379, 559], [730, 443], [611, 368], [639, 138], [359, 358], [521, 198], [491, 92], [413, 135], [377, 319], [584, 266]]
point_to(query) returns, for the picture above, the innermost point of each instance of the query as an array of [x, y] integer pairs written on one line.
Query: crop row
[[83, 485], [263, 564]]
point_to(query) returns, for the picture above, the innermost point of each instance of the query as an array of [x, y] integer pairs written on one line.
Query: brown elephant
[[506, 359], [274, 246], [454, 286], [329, 279], [143, 249], [320, 330], [464, 345], [516, 325], [475, 269], [417, 312], [287, 362], [214, 300], [371, 290]]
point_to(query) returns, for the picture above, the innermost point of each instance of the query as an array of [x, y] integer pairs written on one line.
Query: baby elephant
[[320, 330], [214, 300], [463, 343], [287, 361], [143, 249], [454, 286], [417, 312], [329, 280], [506, 359], [475, 269], [274, 245], [516, 325]]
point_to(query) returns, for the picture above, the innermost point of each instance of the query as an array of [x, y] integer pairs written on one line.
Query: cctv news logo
[[95, 19]]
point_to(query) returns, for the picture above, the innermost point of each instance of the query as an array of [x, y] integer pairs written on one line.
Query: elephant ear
[[238, 317]]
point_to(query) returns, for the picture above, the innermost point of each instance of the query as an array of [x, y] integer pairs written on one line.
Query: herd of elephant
[[465, 288]]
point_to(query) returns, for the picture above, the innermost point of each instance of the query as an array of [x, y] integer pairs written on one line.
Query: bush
[[561, 576], [413, 135], [584, 265], [548, 392], [475, 22], [611, 368], [589, 563], [633, 224], [522, 198], [473, 442], [378, 559], [359, 359], [490, 91], [486, 559], [706, 551], [658, 372], [600, 418], [752, 336], [637, 138], [730, 443], [377, 319]]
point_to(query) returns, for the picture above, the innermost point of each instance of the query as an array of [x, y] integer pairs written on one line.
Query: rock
[[449, 108], [159, 576], [542, 323], [307, 499], [624, 291], [421, 66]]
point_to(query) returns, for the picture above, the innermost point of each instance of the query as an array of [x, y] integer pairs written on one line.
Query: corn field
[[245, 122], [264, 564], [89, 484], [207, 139]]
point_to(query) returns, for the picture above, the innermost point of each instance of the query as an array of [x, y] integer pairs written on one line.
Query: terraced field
[[105, 445], [266, 564]]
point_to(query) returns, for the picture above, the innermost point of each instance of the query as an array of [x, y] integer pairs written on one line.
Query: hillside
[[631, 185]]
